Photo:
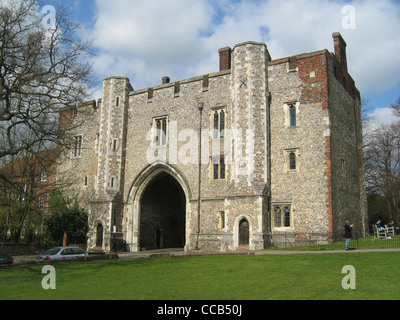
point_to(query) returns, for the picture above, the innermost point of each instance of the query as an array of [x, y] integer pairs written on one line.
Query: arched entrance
[[162, 214], [243, 232]]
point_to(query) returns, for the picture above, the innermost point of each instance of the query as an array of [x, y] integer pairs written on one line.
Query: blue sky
[[148, 39]]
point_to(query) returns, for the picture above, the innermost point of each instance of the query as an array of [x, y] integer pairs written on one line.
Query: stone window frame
[[164, 121], [217, 160], [289, 152], [218, 133], [77, 146], [221, 220], [287, 107], [112, 182], [115, 144], [285, 224]]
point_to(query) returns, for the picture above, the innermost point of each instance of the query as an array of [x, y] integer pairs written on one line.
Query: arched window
[[292, 111], [222, 124], [286, 220], [160, 124], [164, 132], [282, 216], [278, 217], [216, 124], [292, 161]]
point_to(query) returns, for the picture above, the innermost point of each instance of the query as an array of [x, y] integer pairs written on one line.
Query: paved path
[[181, 253]]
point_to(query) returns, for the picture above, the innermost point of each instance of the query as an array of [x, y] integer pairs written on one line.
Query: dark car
[[6, 259]]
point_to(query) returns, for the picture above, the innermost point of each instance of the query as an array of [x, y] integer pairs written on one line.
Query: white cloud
[[149, 39], [146, 40], [383, 116]]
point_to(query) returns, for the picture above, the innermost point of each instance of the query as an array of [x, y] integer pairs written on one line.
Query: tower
[[106, 206], [250, 144]]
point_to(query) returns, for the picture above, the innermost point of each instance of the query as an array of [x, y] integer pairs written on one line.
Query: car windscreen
[[52, 251]]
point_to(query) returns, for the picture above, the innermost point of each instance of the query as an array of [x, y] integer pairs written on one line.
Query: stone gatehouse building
[[278, 158]]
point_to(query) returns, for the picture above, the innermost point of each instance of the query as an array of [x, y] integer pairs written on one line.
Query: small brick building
[[278, 159]]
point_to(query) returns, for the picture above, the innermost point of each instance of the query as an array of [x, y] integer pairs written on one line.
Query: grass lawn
[[298, 276], [363, 243]]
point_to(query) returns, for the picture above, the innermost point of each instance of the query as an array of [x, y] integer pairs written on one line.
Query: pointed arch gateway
[[157, 209]]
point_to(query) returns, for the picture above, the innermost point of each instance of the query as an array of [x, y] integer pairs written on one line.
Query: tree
[[382, 165], [42, 70], [396, 107], [66, 222]]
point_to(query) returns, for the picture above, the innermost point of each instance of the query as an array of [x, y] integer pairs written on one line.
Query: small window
[[292, 161], [292, 111], [160, 126], [216, 168], [43, 174], [219, 169], [86, 181], [77, 146], [218, 123], [286, 220], [115, 144], [342, 167], [221, 220], [41, 202], [282, 216], [117, 101], [278, 217], [222, 124]]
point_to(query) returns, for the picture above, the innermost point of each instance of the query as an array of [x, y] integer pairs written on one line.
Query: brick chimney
[[340, 49], [224, 58]]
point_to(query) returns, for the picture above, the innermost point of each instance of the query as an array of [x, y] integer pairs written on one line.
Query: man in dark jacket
[[347, 233]]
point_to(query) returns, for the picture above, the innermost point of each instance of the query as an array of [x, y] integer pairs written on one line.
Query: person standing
[[347, 233]]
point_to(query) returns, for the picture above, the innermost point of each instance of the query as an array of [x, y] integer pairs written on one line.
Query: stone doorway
[[243, 232], [162, 214], [99, 236]]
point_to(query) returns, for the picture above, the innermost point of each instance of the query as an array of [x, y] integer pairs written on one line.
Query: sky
[[148, 39]]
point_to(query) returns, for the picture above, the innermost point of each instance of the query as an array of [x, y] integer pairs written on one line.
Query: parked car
[[61, 253], [6, 259]]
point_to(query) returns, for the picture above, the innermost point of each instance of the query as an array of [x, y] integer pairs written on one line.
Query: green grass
[[362, 243], [298, 276]]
